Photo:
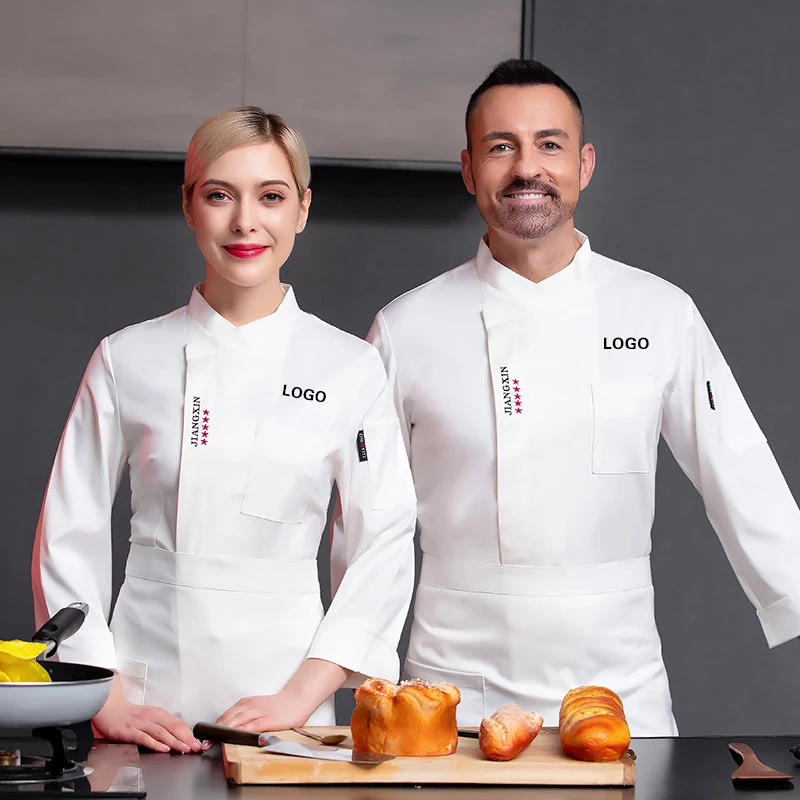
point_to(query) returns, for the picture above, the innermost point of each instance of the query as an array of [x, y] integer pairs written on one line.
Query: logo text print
[[299, 393]]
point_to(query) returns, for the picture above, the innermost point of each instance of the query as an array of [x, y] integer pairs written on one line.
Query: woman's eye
[[273, 197], [217, 196]]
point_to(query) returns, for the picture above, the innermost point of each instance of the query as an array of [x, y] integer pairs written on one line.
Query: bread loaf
[[413, 719], [592, 724], [508, 732]]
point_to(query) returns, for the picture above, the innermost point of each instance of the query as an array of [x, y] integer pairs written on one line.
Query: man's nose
[[527, 165]]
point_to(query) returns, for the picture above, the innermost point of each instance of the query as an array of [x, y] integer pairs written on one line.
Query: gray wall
[[692, 107], [693, 116]]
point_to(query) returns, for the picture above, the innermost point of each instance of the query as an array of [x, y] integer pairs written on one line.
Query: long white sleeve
[[378, 337], [72, 552], [373, 546], [717, 442]]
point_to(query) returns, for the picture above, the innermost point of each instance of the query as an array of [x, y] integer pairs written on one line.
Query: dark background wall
[[691, 105]]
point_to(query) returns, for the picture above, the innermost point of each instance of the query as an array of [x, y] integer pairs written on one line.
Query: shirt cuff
[[781, 620], [362, 652]]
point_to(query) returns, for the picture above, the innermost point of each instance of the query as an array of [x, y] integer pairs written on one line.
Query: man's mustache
[[520, 185]]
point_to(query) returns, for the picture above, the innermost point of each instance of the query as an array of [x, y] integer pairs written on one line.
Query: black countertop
[[666, 769]]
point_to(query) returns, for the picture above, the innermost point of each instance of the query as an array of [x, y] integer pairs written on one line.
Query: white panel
[[117, 75], [378, 79]]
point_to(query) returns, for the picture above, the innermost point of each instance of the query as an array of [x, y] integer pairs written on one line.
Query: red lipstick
[[245, 250]]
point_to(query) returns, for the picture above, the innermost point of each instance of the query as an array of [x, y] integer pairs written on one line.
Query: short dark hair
[[523, 72]]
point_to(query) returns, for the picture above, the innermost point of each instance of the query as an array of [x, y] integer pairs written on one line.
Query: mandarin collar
[[514, 285], [215, 326]]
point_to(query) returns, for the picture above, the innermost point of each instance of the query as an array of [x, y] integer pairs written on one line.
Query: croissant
[[508, 732], [413, 719], [592, 724]]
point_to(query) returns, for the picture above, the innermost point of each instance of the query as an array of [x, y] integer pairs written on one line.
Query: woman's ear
[[302, 216], [187, 207]]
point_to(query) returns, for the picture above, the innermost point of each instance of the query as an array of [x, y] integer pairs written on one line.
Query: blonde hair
[[239, 127]]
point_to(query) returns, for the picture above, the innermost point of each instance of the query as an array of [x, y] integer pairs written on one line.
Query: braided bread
[[592, 724]]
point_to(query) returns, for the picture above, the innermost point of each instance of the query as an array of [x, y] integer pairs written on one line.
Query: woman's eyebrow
[[226, 185]]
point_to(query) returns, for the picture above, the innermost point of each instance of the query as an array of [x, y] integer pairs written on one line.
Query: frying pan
[[77, 693]]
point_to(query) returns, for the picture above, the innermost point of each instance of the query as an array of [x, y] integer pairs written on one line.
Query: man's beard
[[531, 221]]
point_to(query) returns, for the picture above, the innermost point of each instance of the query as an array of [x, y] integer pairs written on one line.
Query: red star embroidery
[[205, 427], [204, 441], [515, 382], [205, 412]]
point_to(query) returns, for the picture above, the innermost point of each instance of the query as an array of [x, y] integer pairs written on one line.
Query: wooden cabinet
[[360, 79]]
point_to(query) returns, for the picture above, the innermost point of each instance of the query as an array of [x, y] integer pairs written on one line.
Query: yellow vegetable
[[16, 650], [18, 662], [26, 672]]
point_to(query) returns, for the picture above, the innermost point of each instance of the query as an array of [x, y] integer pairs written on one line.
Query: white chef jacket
[[233, 438], [532, 413]]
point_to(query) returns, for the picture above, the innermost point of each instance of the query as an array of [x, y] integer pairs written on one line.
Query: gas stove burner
[[60, 767], [112, 770], [33, 769]]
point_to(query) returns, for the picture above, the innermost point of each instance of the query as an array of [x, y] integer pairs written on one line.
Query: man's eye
[[501, 148], [551, 146]]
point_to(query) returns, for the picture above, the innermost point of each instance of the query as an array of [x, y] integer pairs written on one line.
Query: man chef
[[532, 384]]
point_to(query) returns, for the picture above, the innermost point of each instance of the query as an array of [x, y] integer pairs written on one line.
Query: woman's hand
[[313, 683], [150, 726], [272, 712]]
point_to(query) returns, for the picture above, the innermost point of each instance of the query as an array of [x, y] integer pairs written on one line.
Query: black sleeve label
[[361, 444], [710, 396]]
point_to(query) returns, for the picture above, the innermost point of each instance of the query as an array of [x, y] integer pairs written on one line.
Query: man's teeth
[[528, 195]]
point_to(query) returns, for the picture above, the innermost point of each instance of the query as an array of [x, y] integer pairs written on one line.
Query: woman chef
[[234, 416]]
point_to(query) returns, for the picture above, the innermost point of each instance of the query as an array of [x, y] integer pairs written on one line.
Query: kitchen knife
[[269, 743]]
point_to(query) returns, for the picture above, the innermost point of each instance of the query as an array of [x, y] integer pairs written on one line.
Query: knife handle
[[219, 733]]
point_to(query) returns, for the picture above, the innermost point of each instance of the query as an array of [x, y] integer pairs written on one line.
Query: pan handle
[[219, 733], [60, 626]]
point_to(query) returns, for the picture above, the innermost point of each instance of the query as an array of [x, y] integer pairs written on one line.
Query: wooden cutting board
[[544, 763]]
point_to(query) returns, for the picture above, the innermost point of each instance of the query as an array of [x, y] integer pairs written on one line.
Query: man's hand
[[150, 726]]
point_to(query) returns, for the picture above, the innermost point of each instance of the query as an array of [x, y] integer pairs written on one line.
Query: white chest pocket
[[284, 472], [626, 428]]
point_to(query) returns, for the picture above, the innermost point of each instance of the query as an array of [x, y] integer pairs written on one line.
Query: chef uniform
[[233, 437], [532, 414]]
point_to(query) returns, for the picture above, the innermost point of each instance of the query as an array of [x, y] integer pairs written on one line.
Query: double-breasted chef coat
[[532, 413], [233, 437]]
